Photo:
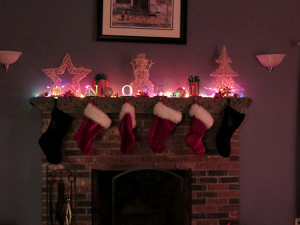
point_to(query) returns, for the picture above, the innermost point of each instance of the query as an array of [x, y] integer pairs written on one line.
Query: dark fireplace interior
[[141, 197]]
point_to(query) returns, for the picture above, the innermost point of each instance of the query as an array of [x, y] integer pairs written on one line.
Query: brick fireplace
[[215, 187]]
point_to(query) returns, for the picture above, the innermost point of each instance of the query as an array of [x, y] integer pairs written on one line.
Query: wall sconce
[[9, 57], [270, 60]]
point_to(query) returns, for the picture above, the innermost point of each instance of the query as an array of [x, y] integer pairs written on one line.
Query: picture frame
[[147, 21]]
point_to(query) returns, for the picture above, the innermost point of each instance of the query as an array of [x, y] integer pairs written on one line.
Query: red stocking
[[127, 123], [95, 120], [201, 121], [164, 122]]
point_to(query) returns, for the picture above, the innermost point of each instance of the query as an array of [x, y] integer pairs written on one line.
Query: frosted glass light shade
[[270, 60], [9, 57]]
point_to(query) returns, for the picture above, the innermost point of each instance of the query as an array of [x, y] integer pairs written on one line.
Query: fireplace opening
[[141, 197]]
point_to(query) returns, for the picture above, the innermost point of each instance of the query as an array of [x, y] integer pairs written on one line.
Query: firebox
[[147, 196]]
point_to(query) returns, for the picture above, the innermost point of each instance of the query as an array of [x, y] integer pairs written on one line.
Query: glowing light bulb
[[169, 94]]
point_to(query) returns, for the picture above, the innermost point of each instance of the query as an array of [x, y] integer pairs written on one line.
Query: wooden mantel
[[141, 104]]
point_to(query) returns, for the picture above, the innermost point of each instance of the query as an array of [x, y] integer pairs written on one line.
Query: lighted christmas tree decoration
[[224, 85], [79, 73]]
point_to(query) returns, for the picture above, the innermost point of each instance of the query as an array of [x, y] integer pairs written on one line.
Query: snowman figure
[[141, 66]]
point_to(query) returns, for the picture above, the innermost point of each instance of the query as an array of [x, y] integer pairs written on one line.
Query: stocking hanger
[[195, 100], [55, 101], [92, 101]]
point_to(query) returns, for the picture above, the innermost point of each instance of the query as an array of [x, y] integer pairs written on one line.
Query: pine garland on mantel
[[141, 104]]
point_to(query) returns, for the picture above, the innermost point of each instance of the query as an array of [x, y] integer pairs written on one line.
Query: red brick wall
[[215, 180]]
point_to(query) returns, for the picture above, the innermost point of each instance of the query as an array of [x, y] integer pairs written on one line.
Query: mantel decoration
[[73, 89], [167, 111], [141, 66], [194, 86], [224, 85]]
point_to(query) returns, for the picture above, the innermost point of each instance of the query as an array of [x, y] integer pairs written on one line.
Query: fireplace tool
[[60, 204], [50, 179], [68, 213], [64, 179]]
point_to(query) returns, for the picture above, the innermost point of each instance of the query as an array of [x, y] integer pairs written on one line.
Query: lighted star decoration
[[74, 88]]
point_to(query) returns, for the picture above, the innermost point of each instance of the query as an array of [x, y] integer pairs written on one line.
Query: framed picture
[[156, 21]]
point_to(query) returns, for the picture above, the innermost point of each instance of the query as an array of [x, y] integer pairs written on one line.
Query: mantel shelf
[[141, 104]]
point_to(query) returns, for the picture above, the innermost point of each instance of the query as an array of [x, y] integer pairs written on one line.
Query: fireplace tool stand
[[61, 194]]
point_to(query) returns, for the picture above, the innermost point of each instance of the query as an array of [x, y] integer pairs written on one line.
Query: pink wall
[[46, 30]]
